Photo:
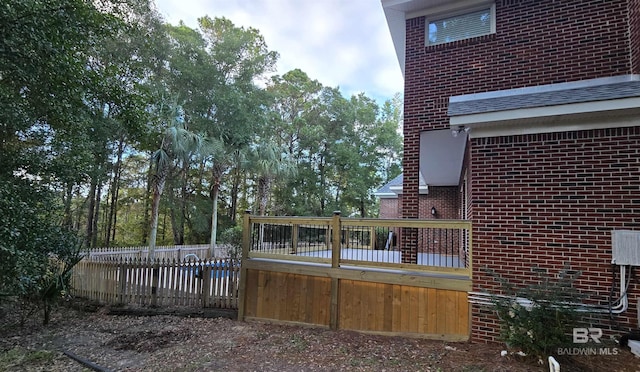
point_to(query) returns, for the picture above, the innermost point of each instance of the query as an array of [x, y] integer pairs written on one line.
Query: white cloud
[[337, 42]]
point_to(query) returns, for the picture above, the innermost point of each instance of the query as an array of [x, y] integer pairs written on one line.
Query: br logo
[[583, 335]]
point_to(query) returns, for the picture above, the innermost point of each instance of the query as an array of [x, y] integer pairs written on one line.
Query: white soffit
[[441, 157]]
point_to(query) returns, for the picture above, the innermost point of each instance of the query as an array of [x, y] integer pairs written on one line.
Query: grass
[[21, 357], [298, 343]]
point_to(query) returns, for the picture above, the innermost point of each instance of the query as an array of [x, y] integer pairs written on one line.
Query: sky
[[340, 43]]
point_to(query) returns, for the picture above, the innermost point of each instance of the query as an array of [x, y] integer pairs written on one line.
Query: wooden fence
[[133, 281], [344, 273]]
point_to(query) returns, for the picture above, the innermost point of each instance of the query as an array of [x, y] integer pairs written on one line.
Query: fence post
[[336, 229], [246, 246]]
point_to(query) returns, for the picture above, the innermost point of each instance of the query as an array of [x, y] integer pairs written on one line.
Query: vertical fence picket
[[161, 275], [146, 288], [207, 273], [173, 284], [180, 284], [226, 282], [189, 288], [126, 281], [233, 281], [139, 279]]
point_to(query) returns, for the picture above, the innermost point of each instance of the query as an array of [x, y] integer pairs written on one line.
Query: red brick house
[[524, 117]]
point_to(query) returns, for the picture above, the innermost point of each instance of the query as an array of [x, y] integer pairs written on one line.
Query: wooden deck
[[381, 301]]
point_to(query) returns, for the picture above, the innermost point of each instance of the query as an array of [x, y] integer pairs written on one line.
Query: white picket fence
[[166, 252], [158, 283]]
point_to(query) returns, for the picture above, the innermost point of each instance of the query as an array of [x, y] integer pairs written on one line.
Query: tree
[[363, 159], [178, 143], [33, 247], [295, 106], [268, 162], [47, 87], [229, 104]]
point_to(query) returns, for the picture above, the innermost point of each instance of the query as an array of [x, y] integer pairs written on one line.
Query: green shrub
[[36, 254], [537, 319]]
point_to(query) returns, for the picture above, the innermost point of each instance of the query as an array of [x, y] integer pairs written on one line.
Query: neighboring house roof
[[393, 188], [386, 191]]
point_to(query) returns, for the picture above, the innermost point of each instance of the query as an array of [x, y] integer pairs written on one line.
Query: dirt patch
[[175, 343], [150, 340]]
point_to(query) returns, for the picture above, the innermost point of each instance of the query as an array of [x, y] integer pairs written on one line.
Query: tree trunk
[[146, 223], [107, 216], [216, 180], [158, 181], [179, 206], [183, 200], [91, 198], [158, 187], [174, 217], [235, 189], [94, 236], [115, 187], [67, 220], [115, 211], [214, 219], [264, 185]]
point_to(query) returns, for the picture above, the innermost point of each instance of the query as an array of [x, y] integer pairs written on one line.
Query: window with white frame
[[460, 26]]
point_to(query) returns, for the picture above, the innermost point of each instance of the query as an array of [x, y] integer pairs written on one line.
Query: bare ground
[[176, 343]]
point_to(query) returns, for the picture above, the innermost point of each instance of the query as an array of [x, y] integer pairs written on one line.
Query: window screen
[[460, 27]]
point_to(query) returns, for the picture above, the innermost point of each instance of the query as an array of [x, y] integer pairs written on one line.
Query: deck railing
[[427, 245]]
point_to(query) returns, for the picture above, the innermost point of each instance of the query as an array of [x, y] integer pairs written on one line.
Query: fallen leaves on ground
[[172, 343]]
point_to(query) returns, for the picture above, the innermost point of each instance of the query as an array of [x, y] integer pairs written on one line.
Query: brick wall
[[536, 42], [389, 208], [550, 201], [634, 31], [444, 199], [537, 200]]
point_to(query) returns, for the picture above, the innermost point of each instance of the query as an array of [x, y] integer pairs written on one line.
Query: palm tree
[[223, 158], [177, 143], [269, 161]]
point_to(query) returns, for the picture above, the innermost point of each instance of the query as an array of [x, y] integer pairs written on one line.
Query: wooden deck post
[[246, 246], [336, 229], [294, 239]]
